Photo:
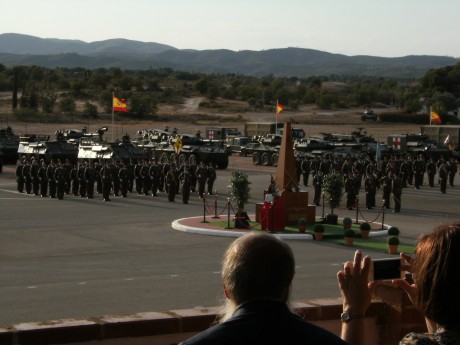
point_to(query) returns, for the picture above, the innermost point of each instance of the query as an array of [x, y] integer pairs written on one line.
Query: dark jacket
[[264, 322]]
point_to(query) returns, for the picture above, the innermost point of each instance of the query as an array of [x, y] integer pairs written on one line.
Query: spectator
[[257, 274], [436, 273]]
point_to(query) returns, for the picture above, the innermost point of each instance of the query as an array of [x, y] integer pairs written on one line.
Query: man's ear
[[227, 294]]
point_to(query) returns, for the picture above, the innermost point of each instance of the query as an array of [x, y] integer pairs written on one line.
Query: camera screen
[[387, 269]]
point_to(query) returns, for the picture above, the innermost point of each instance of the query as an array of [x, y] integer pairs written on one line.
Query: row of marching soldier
[[113, 178]]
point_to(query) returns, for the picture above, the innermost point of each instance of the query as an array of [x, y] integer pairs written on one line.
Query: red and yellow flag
[[120, 105], [279, 109], [435, 118]]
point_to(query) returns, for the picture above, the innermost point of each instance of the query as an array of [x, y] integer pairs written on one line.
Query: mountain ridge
[[124, 53]]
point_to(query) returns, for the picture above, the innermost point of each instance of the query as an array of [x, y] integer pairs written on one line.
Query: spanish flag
[[120, 105], [435, 118], [279, 109]]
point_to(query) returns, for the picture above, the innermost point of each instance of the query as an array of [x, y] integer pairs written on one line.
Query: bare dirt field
[[313, 120]]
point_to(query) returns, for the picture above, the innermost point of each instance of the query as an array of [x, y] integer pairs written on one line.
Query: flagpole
[[276, 118], [429, 114], [113, 114]]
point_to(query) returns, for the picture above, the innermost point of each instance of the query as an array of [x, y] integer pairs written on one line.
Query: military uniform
[[89, 181], [138, 177], [305, 167], [171, 181], [81, 180], [59, 177], [20, 177], [106, 176], [154, 173], [370, 186], [396, 189], [51, 180], [318, 185], [27, 178], [74, 180], [211, 178], [202, 176], [123, 177], [186, 180], [34, 176], [431, 172], [452, 171], [43, 180]]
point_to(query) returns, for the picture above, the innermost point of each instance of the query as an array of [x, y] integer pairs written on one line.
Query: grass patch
[[334, 234]]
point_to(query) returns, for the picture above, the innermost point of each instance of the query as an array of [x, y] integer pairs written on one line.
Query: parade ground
[[76, 257]]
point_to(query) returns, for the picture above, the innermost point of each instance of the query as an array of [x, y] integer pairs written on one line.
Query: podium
[[273, 215]]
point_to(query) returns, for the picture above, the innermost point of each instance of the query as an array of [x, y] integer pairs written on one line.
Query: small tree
[[239, 188], [333, 189]]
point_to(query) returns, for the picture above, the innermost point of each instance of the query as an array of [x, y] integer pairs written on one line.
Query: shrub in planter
[[393, 243], [302, 224], [318, 230], [347, 223], [333, 190], [365, 228], [349, 237], [393, 231]]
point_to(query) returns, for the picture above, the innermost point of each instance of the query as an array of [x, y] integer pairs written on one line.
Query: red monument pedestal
[[296, 206], [273, 215]]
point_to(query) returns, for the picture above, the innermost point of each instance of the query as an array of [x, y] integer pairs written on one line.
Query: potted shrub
[[302, 224], [393, 243], [349, 237], [239, 188], [393, 231], [364, 229], [318, 231], [347, 223], [333, 190]]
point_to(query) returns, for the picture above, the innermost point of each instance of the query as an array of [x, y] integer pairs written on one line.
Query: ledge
[[387, 321]]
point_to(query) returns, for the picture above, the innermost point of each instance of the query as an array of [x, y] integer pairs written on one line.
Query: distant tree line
[[56, 90]]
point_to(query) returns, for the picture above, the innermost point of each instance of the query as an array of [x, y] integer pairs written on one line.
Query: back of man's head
[[258, 265]]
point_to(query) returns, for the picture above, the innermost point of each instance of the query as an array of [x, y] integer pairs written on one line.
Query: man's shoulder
[[247, 330]]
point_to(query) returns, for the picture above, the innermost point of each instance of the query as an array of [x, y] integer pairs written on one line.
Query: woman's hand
[[354, 284]]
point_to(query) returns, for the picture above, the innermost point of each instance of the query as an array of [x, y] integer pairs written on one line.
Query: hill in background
[[17, 49]]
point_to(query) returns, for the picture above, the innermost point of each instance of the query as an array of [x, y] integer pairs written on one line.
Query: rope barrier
[[377, 217]]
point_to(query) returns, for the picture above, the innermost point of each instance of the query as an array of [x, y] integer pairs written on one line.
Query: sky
[[388, 28]]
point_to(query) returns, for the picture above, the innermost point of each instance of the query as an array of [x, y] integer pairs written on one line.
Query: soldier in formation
[[80, 179]]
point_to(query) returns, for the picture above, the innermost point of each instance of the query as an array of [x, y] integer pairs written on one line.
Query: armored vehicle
[[93, 147], [418, 144], [166, 145], [43, 147], [9, 144], [369, 115]]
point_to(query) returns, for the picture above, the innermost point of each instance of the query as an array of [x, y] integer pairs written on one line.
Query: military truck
[[253, 129], [221, 133], [43, 147], [238, 145]]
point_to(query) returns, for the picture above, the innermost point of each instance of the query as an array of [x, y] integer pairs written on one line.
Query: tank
[[43, 147], [93, 147], [9, 143], [165, 145]]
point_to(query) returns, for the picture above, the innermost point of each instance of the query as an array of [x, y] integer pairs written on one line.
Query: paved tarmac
[[79, 258]]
